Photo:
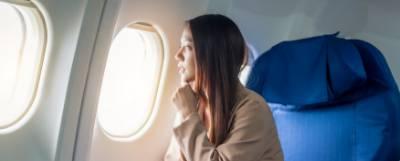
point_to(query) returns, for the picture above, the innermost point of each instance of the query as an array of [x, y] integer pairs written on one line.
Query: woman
[[221, 119]]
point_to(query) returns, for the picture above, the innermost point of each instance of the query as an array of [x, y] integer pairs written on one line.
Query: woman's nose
[[178, 55]]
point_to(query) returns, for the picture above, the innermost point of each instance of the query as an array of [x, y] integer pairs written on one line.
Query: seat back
[[332, 99]]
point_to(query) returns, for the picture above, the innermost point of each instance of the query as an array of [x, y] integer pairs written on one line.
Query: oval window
[[130, 80], [22, 44]]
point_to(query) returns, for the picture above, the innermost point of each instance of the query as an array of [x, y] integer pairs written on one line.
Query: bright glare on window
[[21, 44], [130, 80]]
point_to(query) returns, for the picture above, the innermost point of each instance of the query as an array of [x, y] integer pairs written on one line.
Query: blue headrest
[[319, 70]]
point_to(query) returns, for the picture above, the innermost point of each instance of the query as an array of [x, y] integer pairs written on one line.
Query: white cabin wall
[[219, 6], [263, 23], [316, 17], [66, 20]]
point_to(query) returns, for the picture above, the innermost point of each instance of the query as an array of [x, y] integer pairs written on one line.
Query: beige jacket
[[253, 136]]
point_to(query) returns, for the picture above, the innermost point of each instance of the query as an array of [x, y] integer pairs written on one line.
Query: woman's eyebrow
[[186, 39]]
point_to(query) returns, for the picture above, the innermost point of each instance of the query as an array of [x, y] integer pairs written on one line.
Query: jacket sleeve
[[253, 137], [173, 152]]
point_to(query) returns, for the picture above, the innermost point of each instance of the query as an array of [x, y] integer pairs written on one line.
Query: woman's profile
[[221, 119]]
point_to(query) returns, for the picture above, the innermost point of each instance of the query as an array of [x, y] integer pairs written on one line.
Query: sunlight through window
[[130, 80], [22, 43]]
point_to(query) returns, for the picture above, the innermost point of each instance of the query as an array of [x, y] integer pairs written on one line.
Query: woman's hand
[[185, 100]]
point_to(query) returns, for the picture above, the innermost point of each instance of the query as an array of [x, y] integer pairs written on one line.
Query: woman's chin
[[183, 80]]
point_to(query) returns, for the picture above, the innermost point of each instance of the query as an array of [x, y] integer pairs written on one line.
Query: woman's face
[[186, 57]]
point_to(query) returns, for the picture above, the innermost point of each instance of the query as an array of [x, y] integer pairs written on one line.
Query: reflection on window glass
[[130, 80], [21, 44]]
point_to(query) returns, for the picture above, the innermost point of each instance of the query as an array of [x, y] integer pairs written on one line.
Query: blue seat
[[332, 99]]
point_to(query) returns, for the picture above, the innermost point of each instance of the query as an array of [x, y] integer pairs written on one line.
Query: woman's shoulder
[[250, 101], [251, 113]]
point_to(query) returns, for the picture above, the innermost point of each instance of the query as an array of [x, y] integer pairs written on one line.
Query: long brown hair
[[220, 50]]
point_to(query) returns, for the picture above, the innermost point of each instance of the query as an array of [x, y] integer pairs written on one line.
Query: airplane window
[[130, 80], [22, 44], [252, 54]]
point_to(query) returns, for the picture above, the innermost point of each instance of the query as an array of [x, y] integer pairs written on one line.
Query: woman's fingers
[[185, 100]]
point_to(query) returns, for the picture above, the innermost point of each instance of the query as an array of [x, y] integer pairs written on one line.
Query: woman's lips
[[181, 69]]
